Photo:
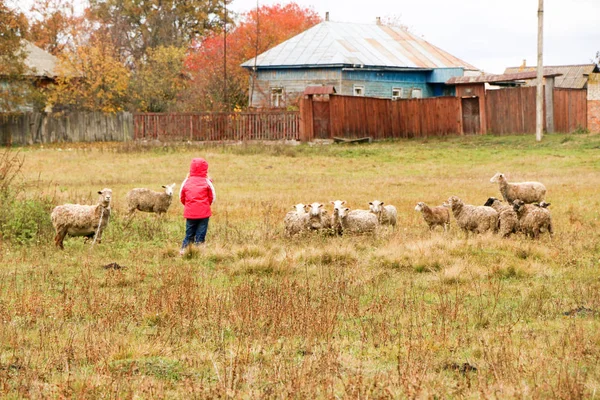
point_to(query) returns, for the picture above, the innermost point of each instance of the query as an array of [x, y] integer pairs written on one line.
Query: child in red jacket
[[197, 194]]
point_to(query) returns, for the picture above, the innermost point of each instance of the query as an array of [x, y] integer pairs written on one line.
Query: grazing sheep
[[434, 216], [386, 215], [533, 219], [477, 219], [149, 201], [82, 220], [529, 192], [355, 221], [296, 221], [508, 221], [318, 217]]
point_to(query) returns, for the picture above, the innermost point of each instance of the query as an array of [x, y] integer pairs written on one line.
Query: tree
[[52, 24], [91, 78], [138, 25], [159, 80], [15, 89], [258, 31]]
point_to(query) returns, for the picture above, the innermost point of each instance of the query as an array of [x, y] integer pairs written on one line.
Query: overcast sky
[[489, 34]]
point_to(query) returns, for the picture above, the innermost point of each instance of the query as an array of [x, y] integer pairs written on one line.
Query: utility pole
[[539, 98], [225, 108]]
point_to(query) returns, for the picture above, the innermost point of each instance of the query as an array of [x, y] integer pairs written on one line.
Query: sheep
[[477, 219], [529, 192], [533, 219], [147, 200], [508, 221], [318, 217], [355, 221], [296, 221], [386, 215], [434, 216], [337, 203], [82, 220]]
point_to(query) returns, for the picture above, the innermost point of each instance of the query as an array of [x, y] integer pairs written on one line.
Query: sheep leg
[[60, 237]]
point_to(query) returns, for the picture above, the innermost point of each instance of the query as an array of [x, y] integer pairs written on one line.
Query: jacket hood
[[199, 167]]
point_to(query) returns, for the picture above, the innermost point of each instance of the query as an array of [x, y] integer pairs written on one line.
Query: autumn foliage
[[258, 31]]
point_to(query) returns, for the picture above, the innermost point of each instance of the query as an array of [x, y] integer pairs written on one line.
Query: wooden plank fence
[[217, 126]]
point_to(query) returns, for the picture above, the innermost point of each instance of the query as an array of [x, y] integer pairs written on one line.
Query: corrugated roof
[[573, 76], [349, 44], [492, 78], [42, 62]]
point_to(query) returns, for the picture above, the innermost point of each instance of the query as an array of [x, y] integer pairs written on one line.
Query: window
[[359, 90], [277, 97], [396, 93], [416, 93]]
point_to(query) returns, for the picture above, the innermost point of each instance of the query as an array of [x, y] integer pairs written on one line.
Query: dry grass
[[408, 313]]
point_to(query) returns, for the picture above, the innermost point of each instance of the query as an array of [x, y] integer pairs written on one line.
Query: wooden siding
[[217, 126], [353, 117], [512, 111]]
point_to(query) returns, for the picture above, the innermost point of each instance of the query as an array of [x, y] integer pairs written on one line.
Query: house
[[571, 76], [40, 72], [371, 60]]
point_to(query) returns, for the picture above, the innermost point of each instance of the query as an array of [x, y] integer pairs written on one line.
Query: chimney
[[378, 20], [522, 67], [326, 15]]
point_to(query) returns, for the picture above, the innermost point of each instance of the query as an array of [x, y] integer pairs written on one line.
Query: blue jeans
[[195, 230]]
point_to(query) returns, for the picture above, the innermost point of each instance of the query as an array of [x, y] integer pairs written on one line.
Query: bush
[[21, 220]]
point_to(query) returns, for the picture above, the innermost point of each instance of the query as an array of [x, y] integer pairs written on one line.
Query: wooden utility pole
[[225, 107], [539, 98]]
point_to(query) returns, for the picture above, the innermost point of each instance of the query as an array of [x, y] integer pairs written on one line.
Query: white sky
[[489, 34]]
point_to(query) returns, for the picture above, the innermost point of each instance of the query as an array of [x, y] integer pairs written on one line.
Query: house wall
[[293, 81], [375, 83], [593, 103]]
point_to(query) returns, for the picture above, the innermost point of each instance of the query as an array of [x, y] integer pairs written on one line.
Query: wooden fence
[[513, 110], [37, 127], [354, 117], [217, 126]]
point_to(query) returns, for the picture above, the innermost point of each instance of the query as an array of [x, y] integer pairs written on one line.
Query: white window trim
[[359, 87], [415, 91], [399, 96], [277, 97]]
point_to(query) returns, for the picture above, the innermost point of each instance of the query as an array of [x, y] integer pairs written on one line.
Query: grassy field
[[408, 313]]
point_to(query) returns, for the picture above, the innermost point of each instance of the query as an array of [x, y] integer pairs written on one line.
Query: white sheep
[[296, 221], [529, 192], [318, 217], [82, 220], [477, 219], [147, 200], [508, 221], [533, 219], [355, 221], [386, 214], [434, 216]]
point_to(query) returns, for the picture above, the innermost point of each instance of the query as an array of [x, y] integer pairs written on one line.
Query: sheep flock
[[524, 210]]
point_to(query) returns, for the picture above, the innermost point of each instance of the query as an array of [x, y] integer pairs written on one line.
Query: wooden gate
[[470, 115], [321, 119]]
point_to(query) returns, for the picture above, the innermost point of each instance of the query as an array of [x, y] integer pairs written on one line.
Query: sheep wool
[[528, 192], [434, 216], [355, 221], [296, 221], [82, 220], [476, 219], [147, 200], [386, 214], [533, 219], [508, 221]]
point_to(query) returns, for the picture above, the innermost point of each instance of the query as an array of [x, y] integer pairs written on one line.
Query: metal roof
[[573, 76], [41, 62], [359, 45], [491, 78]]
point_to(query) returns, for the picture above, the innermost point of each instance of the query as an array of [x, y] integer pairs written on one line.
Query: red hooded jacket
[[197, 191]]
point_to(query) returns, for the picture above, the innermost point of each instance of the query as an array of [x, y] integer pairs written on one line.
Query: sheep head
[[518, 205], [497, 178], [300, 209], [169, 189], [420, 206], [105, 196], [376, 206], [490, 201]]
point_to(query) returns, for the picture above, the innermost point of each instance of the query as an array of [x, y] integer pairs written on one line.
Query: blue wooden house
[[371, 60]]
